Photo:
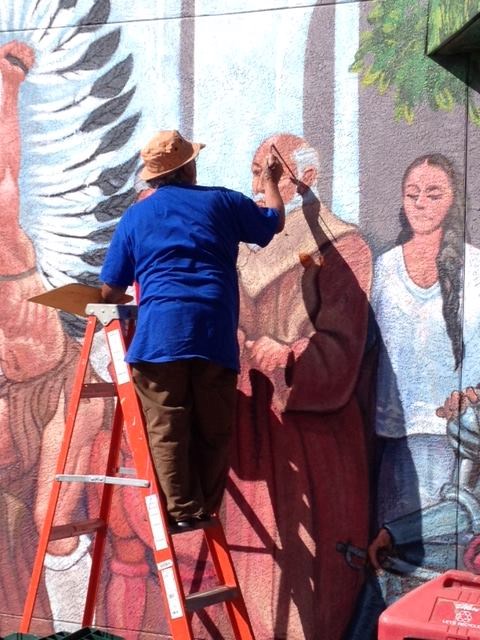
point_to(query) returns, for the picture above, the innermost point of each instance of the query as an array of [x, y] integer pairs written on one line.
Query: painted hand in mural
[[16, 58], [461, 410], [379, 548], [457, 403], [267, 354]]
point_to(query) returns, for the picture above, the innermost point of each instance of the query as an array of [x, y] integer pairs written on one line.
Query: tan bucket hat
[[167, 151]]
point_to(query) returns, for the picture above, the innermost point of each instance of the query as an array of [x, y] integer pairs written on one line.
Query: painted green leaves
[[392, 56]]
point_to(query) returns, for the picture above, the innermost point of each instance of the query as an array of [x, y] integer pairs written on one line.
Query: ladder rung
[[202, 599], [130, 482], [75, 529], [98, 390]]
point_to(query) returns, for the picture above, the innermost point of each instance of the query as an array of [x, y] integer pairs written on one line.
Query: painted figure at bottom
[[427, 509], [37, 365]]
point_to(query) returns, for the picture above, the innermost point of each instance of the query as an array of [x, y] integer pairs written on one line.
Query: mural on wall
[[316, 465], [299, 420]]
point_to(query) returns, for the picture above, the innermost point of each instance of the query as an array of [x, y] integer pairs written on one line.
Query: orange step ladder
[[118, 323]]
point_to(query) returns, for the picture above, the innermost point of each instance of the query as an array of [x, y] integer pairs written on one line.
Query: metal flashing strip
[[106, 313], [99, 479]]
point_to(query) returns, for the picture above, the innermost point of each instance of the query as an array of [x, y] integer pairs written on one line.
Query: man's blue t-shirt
[[181, 246]]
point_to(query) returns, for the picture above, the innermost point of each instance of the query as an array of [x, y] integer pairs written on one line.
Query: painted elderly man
[[299, 485]]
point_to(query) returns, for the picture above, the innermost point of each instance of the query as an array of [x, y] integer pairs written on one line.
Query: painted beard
[[293, 205]]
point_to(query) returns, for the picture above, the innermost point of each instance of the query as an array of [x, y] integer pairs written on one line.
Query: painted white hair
[[306, 157]]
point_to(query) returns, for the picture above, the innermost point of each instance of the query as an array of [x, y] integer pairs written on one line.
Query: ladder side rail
[[162, 544], [239, 619], [104, 515], [76, 395], [56, 486], [222, 561]]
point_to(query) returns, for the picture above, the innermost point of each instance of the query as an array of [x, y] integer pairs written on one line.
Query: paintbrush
[[274, 150], [298, 182]]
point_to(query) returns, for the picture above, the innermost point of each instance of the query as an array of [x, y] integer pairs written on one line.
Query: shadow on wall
[[297, 508]]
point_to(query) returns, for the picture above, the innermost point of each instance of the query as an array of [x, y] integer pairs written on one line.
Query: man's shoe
[[203, 517], [182, 525]]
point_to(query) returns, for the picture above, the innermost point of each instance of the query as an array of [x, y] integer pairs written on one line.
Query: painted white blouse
[[416, 367]]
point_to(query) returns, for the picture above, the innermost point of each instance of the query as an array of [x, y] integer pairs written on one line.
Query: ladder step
[[76, 529], [98, 390], [129, 482], [200, 600]]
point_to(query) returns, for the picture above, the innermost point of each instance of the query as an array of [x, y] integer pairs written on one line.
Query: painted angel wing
[[80, 149]]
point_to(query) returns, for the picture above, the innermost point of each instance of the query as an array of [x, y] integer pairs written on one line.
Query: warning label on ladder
[[118, 357], [171, 590], [153, 510]]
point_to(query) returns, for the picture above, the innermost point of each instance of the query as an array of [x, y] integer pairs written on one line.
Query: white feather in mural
[[79, 113]]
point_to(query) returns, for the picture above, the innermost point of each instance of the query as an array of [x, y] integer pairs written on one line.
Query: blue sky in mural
[[248, 86], [345, 188]]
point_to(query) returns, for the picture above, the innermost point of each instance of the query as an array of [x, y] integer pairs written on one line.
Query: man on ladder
[[180, 245]]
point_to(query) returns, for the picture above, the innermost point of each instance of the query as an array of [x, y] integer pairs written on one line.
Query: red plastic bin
[[446, 608]]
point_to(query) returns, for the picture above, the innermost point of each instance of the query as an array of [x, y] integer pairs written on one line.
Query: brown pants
[[189, 410]]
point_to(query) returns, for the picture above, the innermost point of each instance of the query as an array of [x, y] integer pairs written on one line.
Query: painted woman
[[429, 343]]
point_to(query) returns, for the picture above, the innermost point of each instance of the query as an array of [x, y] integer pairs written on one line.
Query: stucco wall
[[348, 357]]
